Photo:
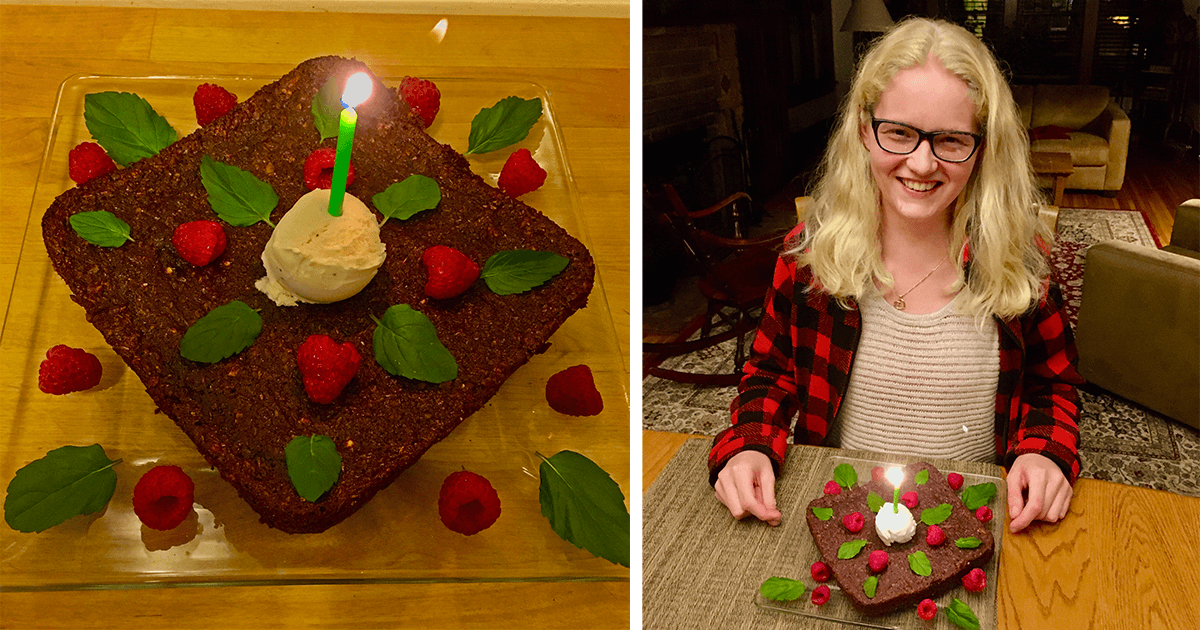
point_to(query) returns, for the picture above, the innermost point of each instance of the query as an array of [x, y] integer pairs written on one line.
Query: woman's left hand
[[1037, 490]]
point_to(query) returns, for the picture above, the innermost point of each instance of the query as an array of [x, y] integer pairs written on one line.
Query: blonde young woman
[[913, 312]]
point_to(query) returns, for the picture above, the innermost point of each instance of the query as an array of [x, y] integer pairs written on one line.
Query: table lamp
[[865, 19]]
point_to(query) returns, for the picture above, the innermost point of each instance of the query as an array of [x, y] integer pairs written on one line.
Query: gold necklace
[[899, 303]]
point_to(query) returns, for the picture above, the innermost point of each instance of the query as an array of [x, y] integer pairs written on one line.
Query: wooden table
[[1123, 558], [1057, 166], [582, 62]]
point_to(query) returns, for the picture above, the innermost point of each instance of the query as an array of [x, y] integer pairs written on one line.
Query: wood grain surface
[[582, 62], [1124, 557]]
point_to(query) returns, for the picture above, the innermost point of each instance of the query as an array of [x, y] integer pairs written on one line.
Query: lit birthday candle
[[895, 476], [358, 89], [896, 524]]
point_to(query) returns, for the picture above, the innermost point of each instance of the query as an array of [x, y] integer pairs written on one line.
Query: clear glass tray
[[396, 537], [838, 612]]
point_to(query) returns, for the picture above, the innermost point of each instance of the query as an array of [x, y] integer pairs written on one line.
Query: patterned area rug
[[1120, 440]]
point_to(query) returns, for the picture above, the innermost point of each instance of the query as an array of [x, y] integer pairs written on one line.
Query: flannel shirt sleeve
[[767, 398], [1048, 408]]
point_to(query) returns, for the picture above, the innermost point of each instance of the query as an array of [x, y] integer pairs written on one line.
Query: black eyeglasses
[[901, 139]]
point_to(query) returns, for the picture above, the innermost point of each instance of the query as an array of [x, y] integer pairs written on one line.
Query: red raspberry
[[984, 513], [521, 174], [819, 571], [422, 96], [877, 473], [451, 273], [854, 522], [927, 609], [163, 497], [326, 366], [468, 504], [832, 487], [878, 560], [66, 370], [318, 169], [212, 102], [909, 499], [87, 161], [975, 581], [935, 536], [199, 242], [820, 595], [955, 480], [573, 392]]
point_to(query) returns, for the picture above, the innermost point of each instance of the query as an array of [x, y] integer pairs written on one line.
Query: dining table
[[577, 60], [1123, 557]]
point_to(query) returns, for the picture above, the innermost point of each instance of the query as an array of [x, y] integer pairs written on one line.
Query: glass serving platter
[[397, 536], [838, 612]]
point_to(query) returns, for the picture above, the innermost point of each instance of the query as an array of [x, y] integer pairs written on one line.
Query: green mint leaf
[[823, 513], [782, 589], [222, 333], [845, 476], [874, 501], [100, 227], [126, 126], [978, 495], [237, 196], [850, 549], [919, 563], [68, 481], [936, 515], [507, 122], [404, 199], [961, 615], [313, 465], [517, 271], [870, 585], [970, 542], [585, 506], [406, 344], [922, 477], [327, 108]]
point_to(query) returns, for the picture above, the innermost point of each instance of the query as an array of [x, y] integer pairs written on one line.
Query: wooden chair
[[734, 275]]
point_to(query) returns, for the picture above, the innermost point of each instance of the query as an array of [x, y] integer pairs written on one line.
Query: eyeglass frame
[[922, 136]]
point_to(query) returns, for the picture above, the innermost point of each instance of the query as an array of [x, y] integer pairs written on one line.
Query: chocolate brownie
[[241, 412], [898, 585]]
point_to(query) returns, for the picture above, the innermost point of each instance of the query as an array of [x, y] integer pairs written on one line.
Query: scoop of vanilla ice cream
[[318, 258], [896, 526]]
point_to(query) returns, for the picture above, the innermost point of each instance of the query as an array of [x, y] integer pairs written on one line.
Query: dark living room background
[[739, 95]]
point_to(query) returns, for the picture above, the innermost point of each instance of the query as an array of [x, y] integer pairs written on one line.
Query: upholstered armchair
[[1138, 332], [1083, 121]]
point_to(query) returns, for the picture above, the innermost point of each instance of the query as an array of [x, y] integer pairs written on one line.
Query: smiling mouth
[[919, 186]]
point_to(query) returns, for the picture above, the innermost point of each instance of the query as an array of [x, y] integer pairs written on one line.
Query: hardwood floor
[[1156, 182]]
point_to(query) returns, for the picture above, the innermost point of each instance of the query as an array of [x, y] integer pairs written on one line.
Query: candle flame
[[358, 89], [895, 476], [439, 30]]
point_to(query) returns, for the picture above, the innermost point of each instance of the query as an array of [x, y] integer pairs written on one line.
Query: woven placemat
[[702, 568]]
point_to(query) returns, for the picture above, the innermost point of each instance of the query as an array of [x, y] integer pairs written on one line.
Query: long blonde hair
[[996, 213]]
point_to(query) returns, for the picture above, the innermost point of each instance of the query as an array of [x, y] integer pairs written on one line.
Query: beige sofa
[[1138, 332], [1081, 120]]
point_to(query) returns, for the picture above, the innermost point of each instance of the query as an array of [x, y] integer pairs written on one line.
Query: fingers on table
[[748, 491]]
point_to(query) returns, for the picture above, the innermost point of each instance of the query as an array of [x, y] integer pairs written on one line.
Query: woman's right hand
[[746, 485]]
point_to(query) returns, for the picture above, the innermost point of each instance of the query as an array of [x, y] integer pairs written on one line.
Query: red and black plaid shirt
[[804, 350]]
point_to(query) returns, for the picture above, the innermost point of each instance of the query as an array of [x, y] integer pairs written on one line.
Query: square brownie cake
[[242, 411], [898, 585]]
